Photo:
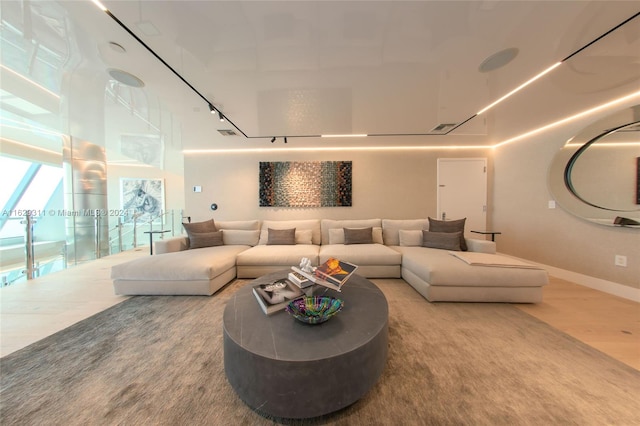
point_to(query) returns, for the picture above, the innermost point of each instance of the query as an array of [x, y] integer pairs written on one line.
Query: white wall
[[386, 184], [554, 237], [402, 184]]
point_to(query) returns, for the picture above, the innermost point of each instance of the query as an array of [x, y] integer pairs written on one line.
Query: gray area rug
[[159, 361]]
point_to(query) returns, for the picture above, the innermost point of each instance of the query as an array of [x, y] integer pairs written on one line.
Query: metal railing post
[[135, 231], [96, 225], [64, 256], [29, 251], [119, 234]]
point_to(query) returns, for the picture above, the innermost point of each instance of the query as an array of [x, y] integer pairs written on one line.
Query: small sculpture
[[305, 265]]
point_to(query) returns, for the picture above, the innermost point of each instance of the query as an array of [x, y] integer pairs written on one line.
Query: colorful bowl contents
[[314, 309]]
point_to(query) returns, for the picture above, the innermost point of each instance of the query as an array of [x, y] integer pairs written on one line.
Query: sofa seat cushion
[[197, 264], [285, 255], [439, 268], [361, 254]]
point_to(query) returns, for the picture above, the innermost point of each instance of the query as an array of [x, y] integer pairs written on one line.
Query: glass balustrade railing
[[33, 254]]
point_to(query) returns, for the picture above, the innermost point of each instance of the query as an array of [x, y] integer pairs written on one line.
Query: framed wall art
[[142, 197], [305, 184]]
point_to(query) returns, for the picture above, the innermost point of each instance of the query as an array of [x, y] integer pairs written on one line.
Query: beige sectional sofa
[[394, 251]]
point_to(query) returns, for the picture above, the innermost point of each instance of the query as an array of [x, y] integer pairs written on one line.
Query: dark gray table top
[[280, 336]]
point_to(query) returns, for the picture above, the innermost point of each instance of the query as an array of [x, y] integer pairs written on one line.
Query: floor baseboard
[[599, 284]]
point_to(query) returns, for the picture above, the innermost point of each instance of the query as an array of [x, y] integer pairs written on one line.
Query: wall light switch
[[197, 188], [552, 204]]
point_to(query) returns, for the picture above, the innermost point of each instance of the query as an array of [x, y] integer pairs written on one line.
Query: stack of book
[[300, 280], [333, 273], [275, 296]]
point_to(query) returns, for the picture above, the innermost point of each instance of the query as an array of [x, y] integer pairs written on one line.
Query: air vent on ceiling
[[442, 129], [229, 132]]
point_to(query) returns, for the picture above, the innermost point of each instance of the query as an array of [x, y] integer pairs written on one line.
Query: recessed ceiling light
[[125, 78], [499, 59], [117, 47]]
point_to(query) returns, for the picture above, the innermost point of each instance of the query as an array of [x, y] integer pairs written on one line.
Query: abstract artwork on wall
[[305, 184], [144, 198]]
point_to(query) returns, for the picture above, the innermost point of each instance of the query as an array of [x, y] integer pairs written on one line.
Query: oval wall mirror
[[596, 175]]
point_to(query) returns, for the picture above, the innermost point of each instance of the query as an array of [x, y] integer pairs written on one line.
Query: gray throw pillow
[[206, 226], [358, 235], [205, 239], [442, 240], [281, 237], [449, 226]]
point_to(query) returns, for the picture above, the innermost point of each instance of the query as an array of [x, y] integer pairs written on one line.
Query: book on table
[[275, 296], [300, 280], [333, 273]]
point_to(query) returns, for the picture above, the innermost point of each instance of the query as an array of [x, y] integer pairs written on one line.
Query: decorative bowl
[[314, 309]]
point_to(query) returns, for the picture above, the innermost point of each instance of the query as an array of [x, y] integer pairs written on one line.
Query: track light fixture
[[273, 139], [220, 116], [212, 110]]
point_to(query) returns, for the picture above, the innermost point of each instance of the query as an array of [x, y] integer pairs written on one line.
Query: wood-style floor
[[605, 322], [33, 310]]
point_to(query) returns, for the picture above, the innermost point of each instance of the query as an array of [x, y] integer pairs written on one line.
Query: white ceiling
[[305, 68]]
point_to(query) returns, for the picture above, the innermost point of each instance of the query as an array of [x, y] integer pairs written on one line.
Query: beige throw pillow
[[304, 236], [410, 238]]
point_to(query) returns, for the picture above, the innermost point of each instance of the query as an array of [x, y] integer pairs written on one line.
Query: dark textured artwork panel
[[305, 184]]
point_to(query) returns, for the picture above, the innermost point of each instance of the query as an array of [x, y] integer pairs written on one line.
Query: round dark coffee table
[[285, 368]]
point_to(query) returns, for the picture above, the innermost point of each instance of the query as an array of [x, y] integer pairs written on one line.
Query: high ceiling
[[306, 68]]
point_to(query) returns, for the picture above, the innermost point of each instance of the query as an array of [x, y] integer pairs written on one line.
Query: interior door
[[462, 191]]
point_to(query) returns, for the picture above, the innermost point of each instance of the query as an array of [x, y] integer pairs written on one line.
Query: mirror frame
[[560, 181]]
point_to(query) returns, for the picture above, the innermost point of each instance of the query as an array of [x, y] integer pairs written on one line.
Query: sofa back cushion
[[240, 237], [391, 228], [247, 225], [302, 228], [327, 224]]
